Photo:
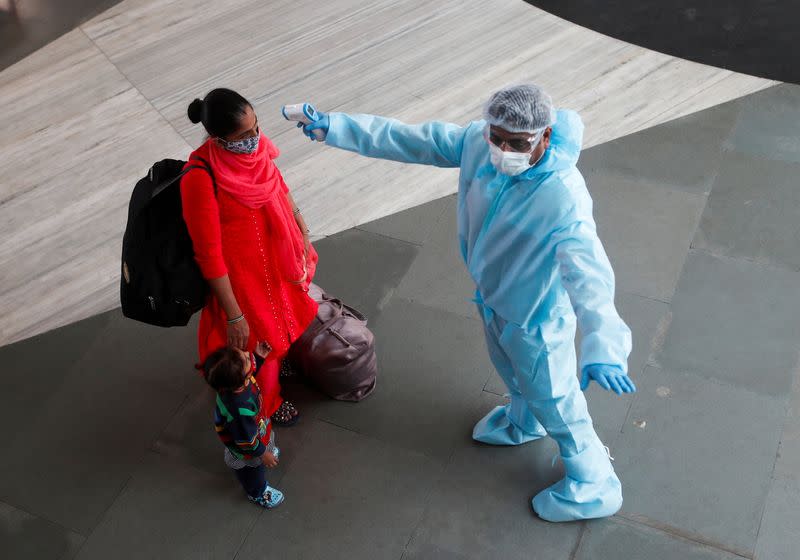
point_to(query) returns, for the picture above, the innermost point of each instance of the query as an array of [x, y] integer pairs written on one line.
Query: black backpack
[[161, 283]]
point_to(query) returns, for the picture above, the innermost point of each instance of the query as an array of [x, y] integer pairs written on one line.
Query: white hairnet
[[520, 108]]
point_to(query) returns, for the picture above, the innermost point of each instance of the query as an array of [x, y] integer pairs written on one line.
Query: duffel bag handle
[[339, 309]]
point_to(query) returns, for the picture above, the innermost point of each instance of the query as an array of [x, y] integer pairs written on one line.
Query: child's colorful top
[[240, 421]]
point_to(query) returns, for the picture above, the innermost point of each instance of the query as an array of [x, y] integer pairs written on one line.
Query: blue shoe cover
[[590, 489], [496, 428]]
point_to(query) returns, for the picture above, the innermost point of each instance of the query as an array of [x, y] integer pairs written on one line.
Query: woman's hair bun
[[195, 111]]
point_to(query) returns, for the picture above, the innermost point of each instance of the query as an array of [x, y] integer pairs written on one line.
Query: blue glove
[[322, 123], [610, 378]]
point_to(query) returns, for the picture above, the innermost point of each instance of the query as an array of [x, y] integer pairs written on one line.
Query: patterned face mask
[[244, 146]]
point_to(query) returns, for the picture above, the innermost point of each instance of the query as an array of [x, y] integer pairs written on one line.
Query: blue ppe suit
[[530, 244]]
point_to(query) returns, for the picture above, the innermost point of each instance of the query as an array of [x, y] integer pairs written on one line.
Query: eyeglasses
[[522, 145]]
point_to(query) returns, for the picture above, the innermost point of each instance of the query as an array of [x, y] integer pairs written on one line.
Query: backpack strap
[[158, 190], [207, 167]]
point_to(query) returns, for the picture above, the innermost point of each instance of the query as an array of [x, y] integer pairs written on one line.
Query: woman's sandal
[[286, 415]]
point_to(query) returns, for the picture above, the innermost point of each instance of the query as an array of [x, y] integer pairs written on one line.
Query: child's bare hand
[[269, 460], [263, 349]]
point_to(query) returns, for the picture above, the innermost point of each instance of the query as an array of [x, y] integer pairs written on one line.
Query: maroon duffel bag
[[337, 351]]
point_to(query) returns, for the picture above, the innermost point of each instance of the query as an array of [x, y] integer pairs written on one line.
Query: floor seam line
[[718, 381], [432, 307], [677, 533], [786, 415], [105, 512], [740, 259], [579, 542], [648, 298], [129, 81], [383, 235], [172, 416], [247, 534], [4, 500], [687, 100]]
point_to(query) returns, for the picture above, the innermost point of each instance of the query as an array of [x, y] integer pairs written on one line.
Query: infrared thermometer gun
[[303, 113]]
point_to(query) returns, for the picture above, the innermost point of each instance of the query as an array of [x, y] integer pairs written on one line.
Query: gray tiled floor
[[23, 535], [610, 539], [40, 363], [480, 507], [171, 507], [414, 225], [646, 231], [752, 212], [438, 277], [111, 451], [682, 154], [424, 353], [767, 125], [777, 537], [732, 320], [104, 410], [348, 496], [362, 268], [703, 462]]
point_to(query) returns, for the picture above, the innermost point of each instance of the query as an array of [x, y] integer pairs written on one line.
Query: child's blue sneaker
[[271, 498]]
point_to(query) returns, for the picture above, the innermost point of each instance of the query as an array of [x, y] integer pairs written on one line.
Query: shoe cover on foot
[[496, 428], [590, 489]]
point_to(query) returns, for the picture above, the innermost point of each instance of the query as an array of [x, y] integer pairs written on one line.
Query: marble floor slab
[[69, 156], [87, 114]]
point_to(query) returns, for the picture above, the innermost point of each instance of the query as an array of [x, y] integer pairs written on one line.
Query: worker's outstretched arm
[[430, 143]]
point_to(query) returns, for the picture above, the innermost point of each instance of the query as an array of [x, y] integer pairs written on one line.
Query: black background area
[[752, 37]]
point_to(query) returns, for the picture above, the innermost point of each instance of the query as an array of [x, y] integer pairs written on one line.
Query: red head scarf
[[255, 181]]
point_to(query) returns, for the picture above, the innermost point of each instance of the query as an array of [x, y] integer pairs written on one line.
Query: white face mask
[[509, 163], [512, 163]]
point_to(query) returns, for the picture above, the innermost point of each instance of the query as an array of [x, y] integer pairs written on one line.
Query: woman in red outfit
[[250, 242]]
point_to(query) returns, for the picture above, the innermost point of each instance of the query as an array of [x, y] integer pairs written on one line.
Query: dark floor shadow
[[750, 36], [27, 25]]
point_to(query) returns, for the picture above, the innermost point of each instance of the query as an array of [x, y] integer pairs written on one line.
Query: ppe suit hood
[[565, 145]]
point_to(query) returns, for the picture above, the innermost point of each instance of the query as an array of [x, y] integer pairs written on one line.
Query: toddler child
[[240, 424]]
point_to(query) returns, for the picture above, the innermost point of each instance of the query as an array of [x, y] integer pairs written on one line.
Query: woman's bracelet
[[236, 319]]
